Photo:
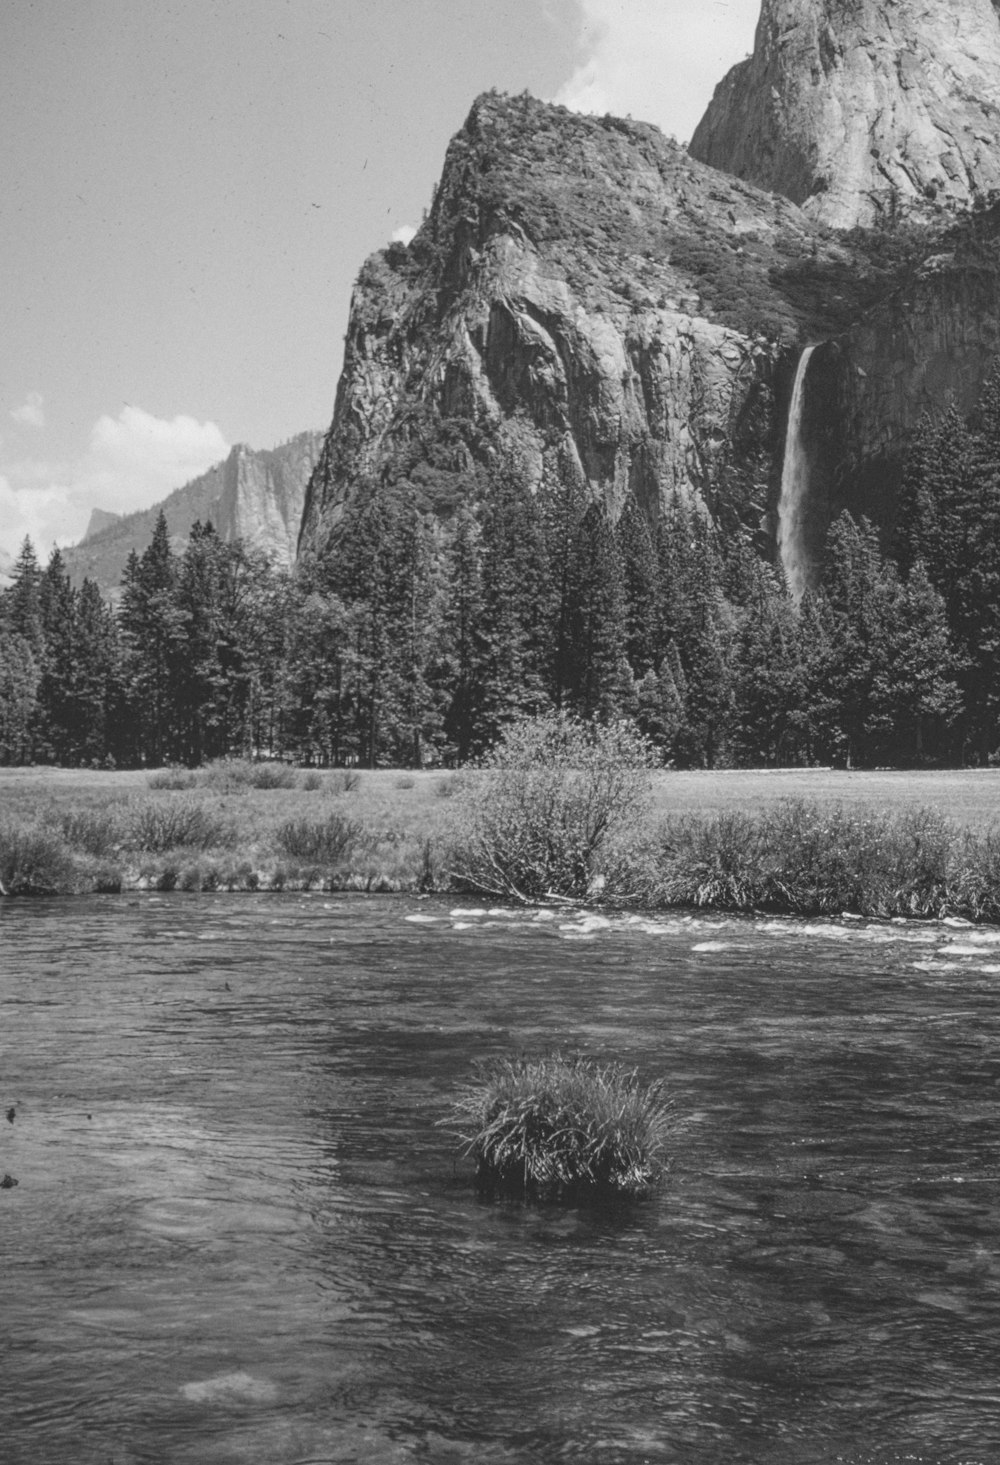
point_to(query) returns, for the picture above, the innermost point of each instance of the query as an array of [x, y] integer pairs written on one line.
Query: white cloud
[[404, 234], [32, 411], [657, 60], [37, 512], [133, 460], [136, 458]]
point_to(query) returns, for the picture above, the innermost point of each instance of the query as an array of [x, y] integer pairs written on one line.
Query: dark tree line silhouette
[[439, 617]]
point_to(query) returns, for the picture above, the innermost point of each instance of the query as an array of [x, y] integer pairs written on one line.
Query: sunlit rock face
[[856, 109], [587, 297], [254, 495]]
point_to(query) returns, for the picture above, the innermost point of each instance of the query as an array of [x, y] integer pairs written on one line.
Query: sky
[[188, 189]]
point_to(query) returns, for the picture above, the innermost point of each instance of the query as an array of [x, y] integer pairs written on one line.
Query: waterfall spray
[[795, 490]]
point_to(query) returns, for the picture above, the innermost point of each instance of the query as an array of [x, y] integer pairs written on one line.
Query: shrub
[[807, 859], [97, 832], [323, 841], [238, 775], [272, 775], [172, 779], [158, 826], [543, 819], [556, 1128], [345, 781], [34, 861], [312, 781]]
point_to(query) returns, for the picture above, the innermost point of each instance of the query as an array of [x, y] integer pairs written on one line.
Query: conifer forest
[[438, 621]]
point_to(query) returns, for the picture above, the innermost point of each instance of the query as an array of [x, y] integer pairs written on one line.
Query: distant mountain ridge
[[256, 495]]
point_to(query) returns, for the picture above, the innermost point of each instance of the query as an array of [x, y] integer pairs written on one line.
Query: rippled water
[[239, 1234]]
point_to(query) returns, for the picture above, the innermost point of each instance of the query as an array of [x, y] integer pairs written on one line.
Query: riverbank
[[879, 843]]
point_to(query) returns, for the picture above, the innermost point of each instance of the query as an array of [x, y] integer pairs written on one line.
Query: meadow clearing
[[244, 826]]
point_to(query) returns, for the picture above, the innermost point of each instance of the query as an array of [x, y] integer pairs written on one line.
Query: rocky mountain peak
[[856, 109]]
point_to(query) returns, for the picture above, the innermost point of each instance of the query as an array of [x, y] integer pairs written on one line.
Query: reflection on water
[[239, 1234]]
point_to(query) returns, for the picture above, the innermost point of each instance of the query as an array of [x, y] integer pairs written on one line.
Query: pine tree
[[58, 726], [152, 629], [637, 552], [601, 683], [19, 678], [462, 650], [915, 696], [22, 601], [517, 603], [768, 674]]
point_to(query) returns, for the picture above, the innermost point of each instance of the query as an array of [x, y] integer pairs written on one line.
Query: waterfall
[[795, 490]]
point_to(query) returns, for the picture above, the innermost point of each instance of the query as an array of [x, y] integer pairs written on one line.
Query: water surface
[[241, 1235]]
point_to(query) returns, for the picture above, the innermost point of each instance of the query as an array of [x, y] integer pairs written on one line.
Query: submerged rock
[[231, 1388]]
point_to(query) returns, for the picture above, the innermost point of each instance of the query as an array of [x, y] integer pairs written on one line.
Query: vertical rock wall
[[855, 109]]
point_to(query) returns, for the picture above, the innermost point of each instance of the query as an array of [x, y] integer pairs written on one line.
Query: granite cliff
[[584, 293], [856, 108], [587, 296], [253, 495]]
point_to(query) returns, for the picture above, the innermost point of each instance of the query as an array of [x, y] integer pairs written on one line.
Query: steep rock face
[[256, 496], [263, 493], [100, 520], [936, 340], [582, 294], [853, 108]]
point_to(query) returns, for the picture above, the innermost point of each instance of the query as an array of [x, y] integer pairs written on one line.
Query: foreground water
[[239, 1234]]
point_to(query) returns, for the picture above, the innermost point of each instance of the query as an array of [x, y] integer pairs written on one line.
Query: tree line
[[433, 625]]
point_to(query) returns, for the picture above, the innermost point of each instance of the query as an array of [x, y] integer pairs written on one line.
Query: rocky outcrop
[[856, 109], [100, 520], [263, 493], [586, 295], [256, 496], [586, 298], [934, 341]]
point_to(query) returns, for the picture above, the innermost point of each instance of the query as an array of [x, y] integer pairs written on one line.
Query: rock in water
[[854, 108], [231, 1388]]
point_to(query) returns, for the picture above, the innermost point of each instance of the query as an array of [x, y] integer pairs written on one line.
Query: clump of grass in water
[[558, 1128]]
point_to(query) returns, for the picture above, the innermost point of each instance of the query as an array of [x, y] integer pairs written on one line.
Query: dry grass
[[134, 830], [407, 823], [969, 797]]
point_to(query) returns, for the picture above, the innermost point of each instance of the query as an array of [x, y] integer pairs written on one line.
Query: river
[[240, 1235]]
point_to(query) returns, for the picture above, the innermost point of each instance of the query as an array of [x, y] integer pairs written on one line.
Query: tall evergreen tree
[[152, 635]]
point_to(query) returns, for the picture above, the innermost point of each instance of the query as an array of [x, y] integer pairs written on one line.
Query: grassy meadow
[[811, 841]]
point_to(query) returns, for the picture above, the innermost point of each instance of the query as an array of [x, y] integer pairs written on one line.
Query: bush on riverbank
[[556, 1128], [327, 841], [545, 815], [35, 861], [804, 859]]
